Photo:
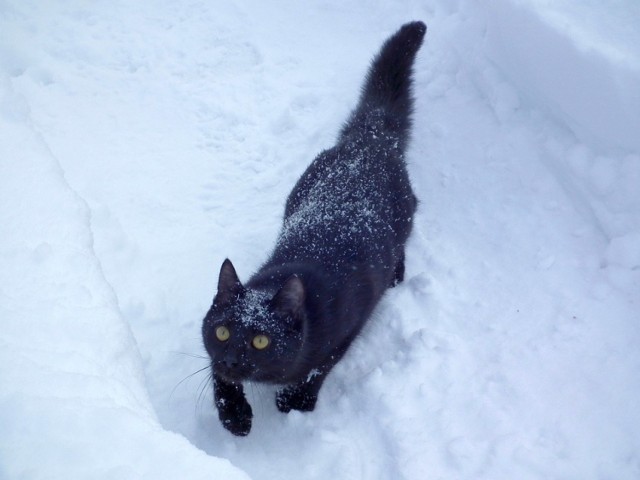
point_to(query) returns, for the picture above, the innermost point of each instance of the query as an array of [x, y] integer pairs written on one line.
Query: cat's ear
[[290, 298], [229, 286]]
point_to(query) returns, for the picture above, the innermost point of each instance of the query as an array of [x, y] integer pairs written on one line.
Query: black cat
[[341, 246]]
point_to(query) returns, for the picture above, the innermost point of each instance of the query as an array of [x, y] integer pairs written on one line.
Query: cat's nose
[[231, 360]]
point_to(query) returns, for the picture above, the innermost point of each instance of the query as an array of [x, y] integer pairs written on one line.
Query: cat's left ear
[[290, 298]]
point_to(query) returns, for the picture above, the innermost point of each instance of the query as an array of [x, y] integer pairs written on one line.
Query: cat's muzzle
[[232, 369]]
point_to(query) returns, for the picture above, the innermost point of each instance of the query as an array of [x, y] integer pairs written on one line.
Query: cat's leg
[[301, 396], [399, 272], [233, 409], [304, 395]]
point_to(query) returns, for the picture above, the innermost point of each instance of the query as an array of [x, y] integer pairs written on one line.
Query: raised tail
[[386, 93]]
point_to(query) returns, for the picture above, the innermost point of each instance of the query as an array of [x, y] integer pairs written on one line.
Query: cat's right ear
[[229, 286], [290, 298]]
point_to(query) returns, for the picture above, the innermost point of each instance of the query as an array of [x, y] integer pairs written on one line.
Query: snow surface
[[141, 144]]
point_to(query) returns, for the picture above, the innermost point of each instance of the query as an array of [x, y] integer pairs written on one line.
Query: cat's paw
[[295, 399], [235, 415]]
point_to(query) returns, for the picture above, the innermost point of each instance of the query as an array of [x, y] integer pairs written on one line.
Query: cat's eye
[[260, 342], [222, 333]]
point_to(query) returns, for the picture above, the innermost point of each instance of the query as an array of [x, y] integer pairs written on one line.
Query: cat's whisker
[[192, 355], [252, 387], [258, 393], [187, 378], [203, 387]]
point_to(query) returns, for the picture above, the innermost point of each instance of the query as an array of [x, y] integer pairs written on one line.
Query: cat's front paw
[[234, 411], [235, 415], [292, 398]]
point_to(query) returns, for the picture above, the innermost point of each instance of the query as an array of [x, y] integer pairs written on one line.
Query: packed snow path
[[140, 146]]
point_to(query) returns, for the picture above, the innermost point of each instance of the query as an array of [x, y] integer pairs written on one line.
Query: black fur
[[341, 246]]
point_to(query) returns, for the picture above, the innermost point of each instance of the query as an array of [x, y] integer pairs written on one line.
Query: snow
[[140, 146]]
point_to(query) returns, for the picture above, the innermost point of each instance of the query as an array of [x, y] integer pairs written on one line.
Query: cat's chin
[[232, 376], [267, 378], [239, 375]]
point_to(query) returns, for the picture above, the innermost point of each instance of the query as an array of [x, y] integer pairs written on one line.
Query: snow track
[[141, 146]]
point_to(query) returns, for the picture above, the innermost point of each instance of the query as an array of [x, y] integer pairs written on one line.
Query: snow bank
[[580, 63], [73, 402], [580, 59]]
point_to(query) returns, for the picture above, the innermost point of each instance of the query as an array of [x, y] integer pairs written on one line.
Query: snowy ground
[[140, 145]]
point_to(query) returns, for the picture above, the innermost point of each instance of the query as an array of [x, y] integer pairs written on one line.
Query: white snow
[[141, 144]]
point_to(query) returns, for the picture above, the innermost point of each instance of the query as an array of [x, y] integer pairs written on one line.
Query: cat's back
[[359, 174], [346, 203]]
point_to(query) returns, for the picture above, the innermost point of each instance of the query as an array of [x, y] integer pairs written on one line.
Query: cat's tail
[[386, 101]]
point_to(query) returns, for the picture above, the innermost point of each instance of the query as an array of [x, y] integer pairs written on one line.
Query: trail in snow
[[140, 147]]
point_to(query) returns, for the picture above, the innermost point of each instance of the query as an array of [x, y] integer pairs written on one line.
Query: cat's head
[[251, 334]]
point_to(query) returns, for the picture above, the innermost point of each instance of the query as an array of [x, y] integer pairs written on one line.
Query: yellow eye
[[223, 333], [260, 342]]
